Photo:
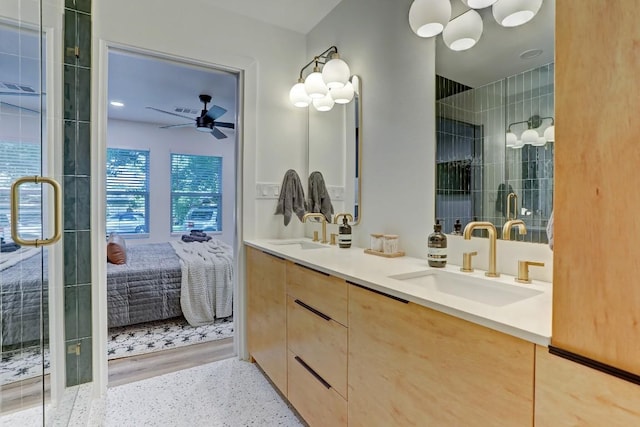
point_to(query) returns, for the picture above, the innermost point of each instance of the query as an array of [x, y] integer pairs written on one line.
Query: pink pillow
[[116, 249]]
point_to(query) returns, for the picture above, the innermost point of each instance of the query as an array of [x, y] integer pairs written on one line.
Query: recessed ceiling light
[[531, 53], [117, 104]]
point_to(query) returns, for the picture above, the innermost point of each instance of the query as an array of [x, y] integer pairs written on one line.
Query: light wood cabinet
[[569, 394], [412, 366], [267, 315], [596, 297]]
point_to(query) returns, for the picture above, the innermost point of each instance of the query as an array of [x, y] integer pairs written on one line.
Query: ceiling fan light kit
[[326, 86], [206, 122], [428, 18]]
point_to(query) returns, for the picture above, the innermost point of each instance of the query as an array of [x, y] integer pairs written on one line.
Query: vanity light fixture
[[326, 85], [530, 135], [428, 18]]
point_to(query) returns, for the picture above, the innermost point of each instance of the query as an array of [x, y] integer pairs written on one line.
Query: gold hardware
[[345, 214], [334, 236], [466, 261], [515, 213], [324, 225], [523, 270], [315, 236], [506, 230], [74, 349], [57, 210], [485, 225]]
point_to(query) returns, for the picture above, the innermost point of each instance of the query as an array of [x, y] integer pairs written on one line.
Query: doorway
[[171, 150]]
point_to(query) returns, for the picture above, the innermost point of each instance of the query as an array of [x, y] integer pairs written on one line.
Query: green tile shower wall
[[77, 191]]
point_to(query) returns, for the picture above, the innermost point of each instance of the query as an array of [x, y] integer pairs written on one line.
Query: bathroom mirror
[[506, 81], [335, 150]]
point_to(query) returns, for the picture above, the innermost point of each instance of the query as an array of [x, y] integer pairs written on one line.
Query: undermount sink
[[485, 291], [303, 244]]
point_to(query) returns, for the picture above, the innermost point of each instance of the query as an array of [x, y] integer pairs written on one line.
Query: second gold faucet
[[485, 225]]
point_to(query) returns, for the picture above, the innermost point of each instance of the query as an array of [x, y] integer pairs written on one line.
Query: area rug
[[123, 342]]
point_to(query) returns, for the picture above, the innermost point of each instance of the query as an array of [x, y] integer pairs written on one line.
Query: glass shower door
[[26, 211]]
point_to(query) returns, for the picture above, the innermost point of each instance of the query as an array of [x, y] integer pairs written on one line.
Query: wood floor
[[28, 393]]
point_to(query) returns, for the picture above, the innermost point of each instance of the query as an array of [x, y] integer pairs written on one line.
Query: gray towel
[[291, 198], [319, 200]]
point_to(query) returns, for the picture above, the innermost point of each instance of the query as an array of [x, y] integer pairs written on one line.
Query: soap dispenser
[[437, 247], [344, 234], [457, 228]]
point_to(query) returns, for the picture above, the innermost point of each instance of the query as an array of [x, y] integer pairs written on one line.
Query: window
[[127, 191], [19, 159], [196, 193]]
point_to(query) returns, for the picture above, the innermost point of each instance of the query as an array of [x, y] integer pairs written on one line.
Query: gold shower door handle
[[57, 210]]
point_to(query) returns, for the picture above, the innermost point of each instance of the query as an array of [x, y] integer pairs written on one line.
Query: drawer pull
[[404, 301], [313, 310], [312, 269], [312, 372]]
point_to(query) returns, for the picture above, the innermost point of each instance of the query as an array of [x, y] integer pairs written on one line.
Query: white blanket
[[207, 280], [9, 259]]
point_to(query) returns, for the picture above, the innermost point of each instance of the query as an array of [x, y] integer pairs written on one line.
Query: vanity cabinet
[[267, 314], [569, 394], [317, 343], [410, 365]]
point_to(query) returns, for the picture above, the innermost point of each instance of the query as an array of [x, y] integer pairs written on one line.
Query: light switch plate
[[267, 190]]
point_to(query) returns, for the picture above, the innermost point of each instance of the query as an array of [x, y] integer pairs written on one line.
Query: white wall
[[398, 106], [161, 143]]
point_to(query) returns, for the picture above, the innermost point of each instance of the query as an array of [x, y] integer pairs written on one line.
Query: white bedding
[[207, 280], [9, 259]]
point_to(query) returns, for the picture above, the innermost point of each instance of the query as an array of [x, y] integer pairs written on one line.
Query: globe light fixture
[[298, 95], [427, 18], [335, 73], [343, 95], [512, 13], [464, 31], [324, 104], [478, 4]]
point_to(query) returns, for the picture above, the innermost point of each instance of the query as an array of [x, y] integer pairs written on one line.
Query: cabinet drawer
[[321, 291], [320, 342], [318, 403]]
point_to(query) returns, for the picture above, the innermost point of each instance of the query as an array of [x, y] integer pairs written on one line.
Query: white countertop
[[528, 319]]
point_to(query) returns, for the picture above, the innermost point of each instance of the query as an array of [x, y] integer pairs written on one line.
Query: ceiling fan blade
[[176, 126], [216, 111], [225, 125], [18, 106], [169, 112], [21, 93], [216, 132]]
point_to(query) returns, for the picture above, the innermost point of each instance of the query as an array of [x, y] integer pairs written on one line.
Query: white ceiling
[[142, 82]]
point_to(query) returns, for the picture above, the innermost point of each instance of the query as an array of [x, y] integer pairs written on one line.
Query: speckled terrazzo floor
[[229, 393]]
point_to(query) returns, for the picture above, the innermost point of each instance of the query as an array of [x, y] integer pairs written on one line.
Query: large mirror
[[487, 97], [335, 149]]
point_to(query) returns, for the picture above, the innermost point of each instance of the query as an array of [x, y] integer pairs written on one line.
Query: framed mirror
[[487, 97], [335, 150]]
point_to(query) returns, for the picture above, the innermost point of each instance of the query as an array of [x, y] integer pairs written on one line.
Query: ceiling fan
[[206, 122]]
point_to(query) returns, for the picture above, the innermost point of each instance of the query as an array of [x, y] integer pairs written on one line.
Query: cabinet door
[[411, 366], [267, 315], [569, 394]]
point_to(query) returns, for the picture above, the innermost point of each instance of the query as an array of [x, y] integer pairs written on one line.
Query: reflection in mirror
[[335, 148], [481, 94]]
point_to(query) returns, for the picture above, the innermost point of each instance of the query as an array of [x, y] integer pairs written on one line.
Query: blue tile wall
[[77, 191]]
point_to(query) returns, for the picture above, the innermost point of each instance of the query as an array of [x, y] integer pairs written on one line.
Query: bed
[[147, 288]]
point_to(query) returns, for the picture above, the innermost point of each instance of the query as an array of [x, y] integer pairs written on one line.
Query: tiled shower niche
[[476, 170]]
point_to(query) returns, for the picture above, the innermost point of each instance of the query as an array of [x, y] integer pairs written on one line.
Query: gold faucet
[[485, 225], [345, 214], [324, 223], [506, 230], [523, 270]]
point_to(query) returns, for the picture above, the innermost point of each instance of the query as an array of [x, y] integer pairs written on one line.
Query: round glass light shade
[[324, 104], [428, 18], [540, 143], [314, 85], [335, 73], [478, 4], [464, 31], [298, 96], [519, 144], [511, 13], [343, 95], [550, 133], [530, 136], [510, 139]]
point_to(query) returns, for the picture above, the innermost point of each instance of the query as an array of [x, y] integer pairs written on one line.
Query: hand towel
[[550, 231], [319, 200], [291, 198]]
